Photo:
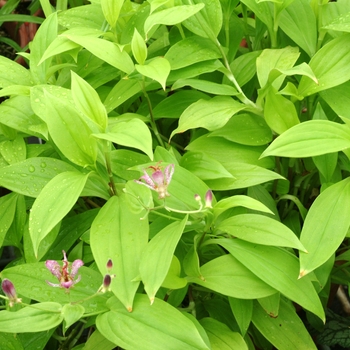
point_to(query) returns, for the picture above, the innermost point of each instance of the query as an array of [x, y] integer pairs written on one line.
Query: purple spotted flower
[[10, 291], [158, 181], [64, 274]]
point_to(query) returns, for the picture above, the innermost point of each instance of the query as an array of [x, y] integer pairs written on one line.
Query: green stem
[[111, 183]]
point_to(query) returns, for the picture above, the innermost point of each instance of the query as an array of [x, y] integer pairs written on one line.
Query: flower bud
[[109, 264], [208, 199], [10, 291]]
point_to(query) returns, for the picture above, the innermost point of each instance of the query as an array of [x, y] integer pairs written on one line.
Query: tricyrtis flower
[[10, 291], [64, 274], [158, 181]]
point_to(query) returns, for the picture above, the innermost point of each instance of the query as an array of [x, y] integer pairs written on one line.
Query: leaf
[[156, 327], [139, 47], [98, 341], [221, 336], [227, 276], [191, 50], [171, 16], [311, 138], [172, 279], [260, 229], [157, 256], [158, 69], [12, 342], [31, 175], [106, 51], [118, 233], [206, 86], [53, 203], [7, 213], [133, 133], [12, 73], [13, 151], [40, 317], [279, 112], [88, 101], [261, 10], [278, 268], [340, 23], [208, 114], [330, 65], [242, 310], [287, 331], [71, 314], [111, 10], [325, 226], [298, 21]]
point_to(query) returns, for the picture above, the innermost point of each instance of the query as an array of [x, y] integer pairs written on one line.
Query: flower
[[208, 199], [64, 275], [159, 180], [10, 291]]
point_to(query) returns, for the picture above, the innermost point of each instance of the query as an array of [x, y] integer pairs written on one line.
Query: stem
[[245, 25], [111, 183]]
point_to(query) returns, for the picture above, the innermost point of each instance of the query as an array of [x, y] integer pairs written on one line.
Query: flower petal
[[54, 268], [77, 264]]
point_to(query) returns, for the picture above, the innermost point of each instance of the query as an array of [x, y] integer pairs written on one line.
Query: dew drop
[[31, 169]]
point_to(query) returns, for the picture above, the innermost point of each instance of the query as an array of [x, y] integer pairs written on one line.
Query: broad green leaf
[[221, 336], [45, 35], [325, 226], [111, 10], [340, 23], [118, 233], [88, 101], [246, 129], [330, 65], [326, 165], [206, 86], [279, 112], [191, 50], [171, 16], [157, 256], [208, 114], [106, 51], [68, 129], [271, 304], [13, 151], [172, 279], [298, 21], [53, 203], [98, 341], [34, 318], [36, 275], [157, 327], [12, 342], [242, 310], [158, 69], [7, 213], [311, 138], [279, 269], [204, 166], [133, 133], [139, 47], [244, 67], [227, 276], [72, 313], [208, 22], [239, 201], [287, 331], [191, 262], [260, 229], [261, 10], [12, 73], [31, 175]]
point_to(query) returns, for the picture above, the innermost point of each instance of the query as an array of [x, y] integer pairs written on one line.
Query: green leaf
[[298, 21], [7, 213], [325, 226], [133, 133], [31, 175], [157, 256], [12, 342], [12, 73], [172, 279], [340, 23], [118, 233], [330, 65], [40, 317], [36, 275], [279, 112], [67, 128], [53, 203], [260, 229], [72, 313], [326, 165], [279, 269], [227, 276], [106, 51], [209, 114], [13, 151], [139, 47], [221, 336], [311, 138], [191, 50], [261, 10], [111, 10], [208, 22], [157, 327], [98, 341], [287, 331], [171, 16], [88, 101], [158, 69], [242, 311], [246, 129]]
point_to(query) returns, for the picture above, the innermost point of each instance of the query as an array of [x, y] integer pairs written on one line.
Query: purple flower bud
[[107, 281], [10, 291], [109, 264], [208, 199]]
